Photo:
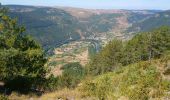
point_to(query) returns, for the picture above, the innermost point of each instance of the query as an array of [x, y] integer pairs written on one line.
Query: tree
[[107, 59], [142, 47], [72, 74], [147, 46], [136, 49], [21, 58]]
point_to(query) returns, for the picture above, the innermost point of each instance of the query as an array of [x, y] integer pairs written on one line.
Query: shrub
[[107, 60], [3, 97], [51, 83], [140, 81], [72, 74], [101, 88]]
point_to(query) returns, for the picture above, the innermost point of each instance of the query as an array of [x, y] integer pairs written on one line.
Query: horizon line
[[82, 7]]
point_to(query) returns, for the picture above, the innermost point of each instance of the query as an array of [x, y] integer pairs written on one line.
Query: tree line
[[142, 47]]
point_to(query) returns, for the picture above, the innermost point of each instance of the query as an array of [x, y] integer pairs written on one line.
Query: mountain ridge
[[52, 26]]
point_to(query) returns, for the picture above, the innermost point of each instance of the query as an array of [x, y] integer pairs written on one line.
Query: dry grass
[[65, 94], [57, 71], [17, 96], [83, 57]]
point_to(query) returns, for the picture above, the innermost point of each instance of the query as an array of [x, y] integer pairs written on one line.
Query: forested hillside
[[54, 26], [155, 21], [50, 26], [139, 68]]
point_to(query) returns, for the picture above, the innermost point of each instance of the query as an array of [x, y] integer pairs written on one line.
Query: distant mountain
[[48, 25], [53, 26], [149, 23], [109, 20]]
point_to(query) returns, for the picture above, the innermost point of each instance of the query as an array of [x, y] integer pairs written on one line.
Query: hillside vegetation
[[142, 47], [134, 75], [140, 81], [50, 26], [21, 58], [155, 21]]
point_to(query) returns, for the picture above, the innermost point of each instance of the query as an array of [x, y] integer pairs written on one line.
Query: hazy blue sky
[[102, 4]]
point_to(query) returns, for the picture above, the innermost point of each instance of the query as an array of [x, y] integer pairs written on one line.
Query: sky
[[97, 4]]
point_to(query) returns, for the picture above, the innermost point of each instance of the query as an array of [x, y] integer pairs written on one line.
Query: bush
[[140, 81], [101, 88], [3, 97], [19, 83], [72, 74], [51, 83], [107, 60]]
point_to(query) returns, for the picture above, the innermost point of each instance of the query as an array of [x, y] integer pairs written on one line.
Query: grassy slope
[[139, 81]]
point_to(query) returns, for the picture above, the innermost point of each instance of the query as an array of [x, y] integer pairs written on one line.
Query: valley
[[67, 53], [75, 51], [72, 52], [67, 33], [53, 26]]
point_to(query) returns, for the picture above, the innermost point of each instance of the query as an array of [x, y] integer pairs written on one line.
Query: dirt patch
[[83, 57], [57, 71]]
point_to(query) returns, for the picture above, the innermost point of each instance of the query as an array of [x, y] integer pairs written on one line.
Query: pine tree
[[21, 58]]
